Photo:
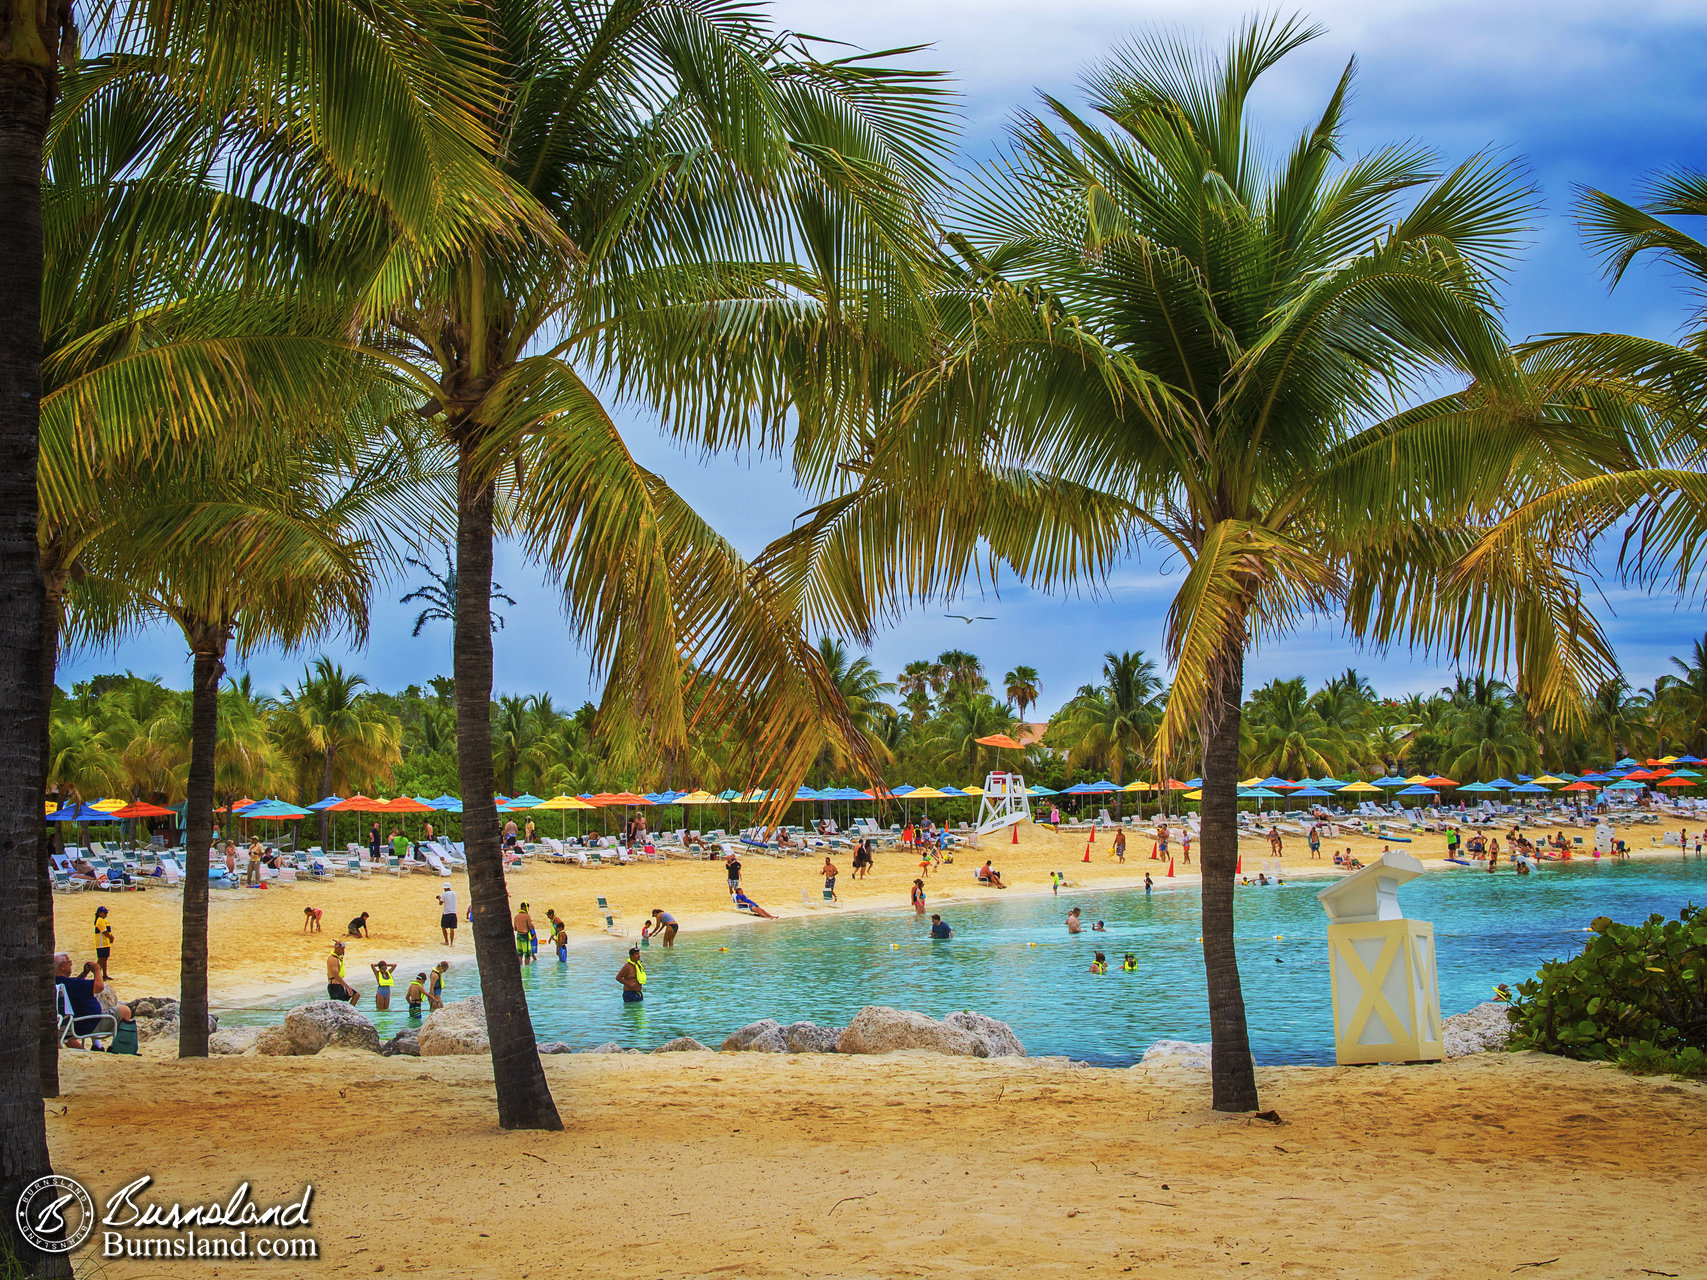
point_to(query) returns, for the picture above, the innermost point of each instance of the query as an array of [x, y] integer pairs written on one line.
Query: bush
[[1637, 996]]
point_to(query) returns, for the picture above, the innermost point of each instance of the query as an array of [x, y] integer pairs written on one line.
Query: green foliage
[[1636, 995]]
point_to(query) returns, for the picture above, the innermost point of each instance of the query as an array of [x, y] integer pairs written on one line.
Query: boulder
[[234, 1040], [998, 1037], [456, 1028], [1484, 1028], [880, 1029], [555, 1046], [154, 1007], [1177, 1053], [682, 1044], [403, 1044], [166, 1027], [609, 1046], [326, 1024], [273, 1041], [764, 1036], [809, 1037]]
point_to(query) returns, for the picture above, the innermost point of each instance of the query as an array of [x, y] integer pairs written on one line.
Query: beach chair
[[285, 876], [174, 874], [105, 1025], [613, 928], [63, 883], [606, 907], [357, 868], [808, 901], [431, 858]]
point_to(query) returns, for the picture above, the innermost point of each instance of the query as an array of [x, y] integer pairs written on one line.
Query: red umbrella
[[1676, 782], [1580, 786], [142, 809], [357, 803]]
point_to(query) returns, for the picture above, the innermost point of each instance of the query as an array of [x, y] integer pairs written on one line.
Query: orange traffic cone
[[1093, 833], [1087, 851], [1239, 870], [1015, 840], [1170, 866]]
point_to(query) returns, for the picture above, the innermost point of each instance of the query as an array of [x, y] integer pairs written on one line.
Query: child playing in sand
[[311, 919]]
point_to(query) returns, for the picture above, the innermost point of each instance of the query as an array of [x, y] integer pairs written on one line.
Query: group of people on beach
[[427, 989]]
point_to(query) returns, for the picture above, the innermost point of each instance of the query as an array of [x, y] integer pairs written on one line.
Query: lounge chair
[[105, 1024], [613, 928], [606, 907]]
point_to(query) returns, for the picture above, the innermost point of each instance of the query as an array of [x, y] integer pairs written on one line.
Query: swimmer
[[1100, 964], [383, 978], [416, 993], [1099, 927], [1073, 920], [436, 984], [1130, 964]]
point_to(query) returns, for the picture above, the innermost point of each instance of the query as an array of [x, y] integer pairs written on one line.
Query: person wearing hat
[[632, 978], [447, 914], [522, 923], [103, 940]]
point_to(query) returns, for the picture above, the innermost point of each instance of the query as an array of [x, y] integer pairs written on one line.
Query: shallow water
[[1015, 961]]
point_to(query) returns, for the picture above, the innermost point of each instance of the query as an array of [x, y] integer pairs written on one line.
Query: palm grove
[[314, 286]]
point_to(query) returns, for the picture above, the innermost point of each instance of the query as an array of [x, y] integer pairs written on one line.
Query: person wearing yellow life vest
[[1130, 964], [436, 984], [103, 940], [383, 972], [632, 977], [416, 993], [1100, 964], [337, 985]]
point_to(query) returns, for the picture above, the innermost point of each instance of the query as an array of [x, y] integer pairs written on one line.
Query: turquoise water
[[1015, 961]]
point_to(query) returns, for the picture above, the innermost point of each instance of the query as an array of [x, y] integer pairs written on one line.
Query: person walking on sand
[[1315, 840], [1274, 841], [311, 919], [522, 923], [447, 914], [664, 926], [918, 897], [1073, 920], [1185, 844], [103, 941], [829, 872], [632, 978], [1162, 842], [1120, 844], [337, 984], [1055, 819], [383, 978], [436, 984]]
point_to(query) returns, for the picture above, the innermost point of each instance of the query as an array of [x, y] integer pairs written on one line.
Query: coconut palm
[[916, 683], [1021, 685], [1289, 738], [1153, 334], [1490, 740], [333, 738], [966, 717], [732, 220], [439, 595], [962, 672], [862, 691], [1113, 725], [1680, 699]]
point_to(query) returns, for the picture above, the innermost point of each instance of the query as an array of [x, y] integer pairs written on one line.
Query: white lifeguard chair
[[1005, 802], [1386, 995]]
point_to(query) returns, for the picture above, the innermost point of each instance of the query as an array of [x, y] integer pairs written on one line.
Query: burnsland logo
[[56, 1215]]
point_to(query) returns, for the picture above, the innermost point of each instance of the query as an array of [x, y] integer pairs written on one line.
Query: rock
[[880, 1029], [764, 1036], [273, 1041], [456, 1028], [1481, 1030], [809, 1037], [154, 1028], [154, 1007], [326, 1024], [998, 1037], [555, 1046], [1177, 1053], [233, 1040], [403, 1044], [682, 1044], [609, 1046]]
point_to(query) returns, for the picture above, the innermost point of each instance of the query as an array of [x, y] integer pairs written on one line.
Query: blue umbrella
[[1331, 783], [1041, 791], [1688, 759], [1079, 789], [1623, 784], [81, 813], [951, 791], [327, 803], [1258, 793], [1422, 791], [1388, 781], [1625, 763], [1501, 783], [1314, 793], [1593, 777], [1479, 786], [1272, 781], [1530, 789], [525, 801]]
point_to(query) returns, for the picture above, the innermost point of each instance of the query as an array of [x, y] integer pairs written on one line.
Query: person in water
[[1149, 884], [522, 923], [416, 993], [1073, 920], [383, 978], [1099, 927], [436, 984], [632, 978], [1100, 964], [1130, 964], [918, 897], [940, 928], [560, 937], [337, 983], [664, 925]]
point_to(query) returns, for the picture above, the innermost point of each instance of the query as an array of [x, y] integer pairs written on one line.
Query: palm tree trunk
[[1232, 1076], [326, 790], [48, 1055], [29, 46], [207, 643], [524, 1098]]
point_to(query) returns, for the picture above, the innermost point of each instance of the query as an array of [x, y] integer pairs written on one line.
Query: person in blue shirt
[[81, 994], [940, 928]]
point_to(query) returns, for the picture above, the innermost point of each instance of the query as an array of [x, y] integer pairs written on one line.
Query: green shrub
[[1637, 996]]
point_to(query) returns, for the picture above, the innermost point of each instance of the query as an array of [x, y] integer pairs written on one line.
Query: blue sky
[[1582, 93]]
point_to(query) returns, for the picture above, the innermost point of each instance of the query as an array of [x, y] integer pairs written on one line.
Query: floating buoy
[[894, 946], [1277, 937], [723, 948], [1031, 944]]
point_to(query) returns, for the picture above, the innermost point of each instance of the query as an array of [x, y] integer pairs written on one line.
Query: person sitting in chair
[[745, 903], [81, 995]]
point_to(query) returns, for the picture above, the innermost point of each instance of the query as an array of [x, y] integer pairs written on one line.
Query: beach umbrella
[[1192, 795], [1440, 782], [1041, 791], [1580, 785], [1332, 784], [1689, 759], [1140, 785], [143, 809], [357, 803], [275, 809], [1594, 777], [1314, 793], [1677, 782], [1416, 789], [1685, 773], [974, 791], [108, 805], [1477, 787], [525, 801], [1416, 780], [78, 813], [1390, 781], [1272, 781], [1530, 789], [564, 803], [952, 792], [1361, 788], [329, 802], [1625, 763], [1501, 784], [1624, 784]]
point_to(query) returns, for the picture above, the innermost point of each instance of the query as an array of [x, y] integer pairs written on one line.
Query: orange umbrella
[[403, 804], [625, 797], [142, 809], [1441, 782], [357, 803], [998, 740]]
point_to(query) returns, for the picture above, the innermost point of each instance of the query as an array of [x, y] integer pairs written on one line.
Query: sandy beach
[[258, 950], [760, 1165]]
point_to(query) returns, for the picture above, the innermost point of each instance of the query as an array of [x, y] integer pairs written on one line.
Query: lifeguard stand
[[1005, 802], [1386, 995]]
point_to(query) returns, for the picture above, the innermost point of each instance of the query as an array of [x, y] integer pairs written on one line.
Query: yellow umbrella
[[1548, 780], [973, 791], [1419, 780], [1359, 787], [563, 802], [1192, 795], [699, 797], [1139, 785], [109, 806], [1252, 782]]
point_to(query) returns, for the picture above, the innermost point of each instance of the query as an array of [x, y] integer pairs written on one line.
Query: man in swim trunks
[[1073, 920], [664, 926], [447, 914], [829, 872], [632, 978], [416, 993], [337, 986], [522, 923]]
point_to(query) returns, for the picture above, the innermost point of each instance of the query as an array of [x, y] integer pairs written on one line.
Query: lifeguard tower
[[1005, 803], [1386, 995]]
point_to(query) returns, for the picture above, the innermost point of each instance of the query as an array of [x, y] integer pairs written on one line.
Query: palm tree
[[862, 691], [1289, 738], [1113, 724], [335, 739], [1151, 334], [918, 680], [965, 718], [1680, 700], [730, 219], [1617, 717], [514, 732], [962, 672], [439, 594], [1490, 740], [1022, 688]]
